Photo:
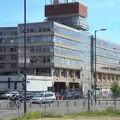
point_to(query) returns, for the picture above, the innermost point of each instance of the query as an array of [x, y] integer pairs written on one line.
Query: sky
[[101, 14]]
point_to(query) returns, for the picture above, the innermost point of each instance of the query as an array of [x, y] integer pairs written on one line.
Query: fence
[[59, 107]]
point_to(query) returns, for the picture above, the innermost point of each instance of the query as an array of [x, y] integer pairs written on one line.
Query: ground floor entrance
[[59, 86]]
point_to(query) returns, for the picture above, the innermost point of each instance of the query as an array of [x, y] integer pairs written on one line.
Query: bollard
[[57, 103], [67, 103], [106, 102], [30, 104], [39, 104], [74, 103], [84, 103], [88, 100], [99, 102], [49, 104]]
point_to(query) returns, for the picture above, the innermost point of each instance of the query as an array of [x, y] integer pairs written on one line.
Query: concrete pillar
[[74, 74], [52, 72], [59, 72], [67, 73], [34, 71], [67, 86]]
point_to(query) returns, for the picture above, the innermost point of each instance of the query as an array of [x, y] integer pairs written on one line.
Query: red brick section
[[66, 9]]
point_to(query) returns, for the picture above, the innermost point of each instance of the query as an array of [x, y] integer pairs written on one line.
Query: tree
[[115, 88]]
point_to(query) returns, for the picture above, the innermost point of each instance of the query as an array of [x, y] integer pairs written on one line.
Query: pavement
[[61, 107]]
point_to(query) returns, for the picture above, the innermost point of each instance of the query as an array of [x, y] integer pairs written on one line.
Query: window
[[13, 65], [1, 33], [48, 29], [40, 30], [2, 57], [99, 76], [15, 33], [11, 33], [108, 77], [44, 59], [48, 59], [4, 33], [48, 95], [32, 29], [116, 77], [32, 49], [12, 49], [2, 65], [28, 30], [112, 77], [13, 57], [44, 29]]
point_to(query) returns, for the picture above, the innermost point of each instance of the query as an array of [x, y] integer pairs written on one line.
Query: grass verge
[[37, 114]]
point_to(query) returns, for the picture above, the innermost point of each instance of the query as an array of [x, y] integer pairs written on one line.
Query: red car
[[58, 96]]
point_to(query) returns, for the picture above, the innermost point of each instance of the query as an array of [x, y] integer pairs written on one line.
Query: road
[[61, 107]]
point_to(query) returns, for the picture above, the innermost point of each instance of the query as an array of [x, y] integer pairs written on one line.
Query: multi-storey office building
[[108, 63], [8, 51], [60, 49], [54, 50]]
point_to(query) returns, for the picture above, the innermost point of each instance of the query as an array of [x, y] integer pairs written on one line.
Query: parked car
[[8, 94], [44, 97], [29, 95], [58, 96], [71, 95]]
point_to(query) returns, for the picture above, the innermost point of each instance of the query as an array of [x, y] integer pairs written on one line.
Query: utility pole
[[25, 47]]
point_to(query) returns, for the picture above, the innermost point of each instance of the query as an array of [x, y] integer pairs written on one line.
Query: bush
[[33, 115], [52, 115]]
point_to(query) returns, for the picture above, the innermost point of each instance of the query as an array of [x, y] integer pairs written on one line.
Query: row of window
[[34, 39], [107, 45], [108, 60], [8, 65], [31, 30], [68, 52], [41, 49], [55, 60], [8, 57], [67, 42], [81, 35], [8, 33], [67, 62], [107, 52], [108, 77], [41, 59], [8, 49]]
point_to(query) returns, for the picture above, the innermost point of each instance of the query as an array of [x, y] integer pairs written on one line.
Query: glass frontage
[[34, 39], [81, 35], [107, 60], [108, 45], [67, 62], [68, 52], [110, 52], [107, 52], [67, 42]]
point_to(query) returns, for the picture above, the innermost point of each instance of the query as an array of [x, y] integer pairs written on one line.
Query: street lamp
[[25, 69], [95, 82]]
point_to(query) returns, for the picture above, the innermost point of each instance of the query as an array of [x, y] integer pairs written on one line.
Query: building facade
[[108, 63], [59, 47], [8, 51]]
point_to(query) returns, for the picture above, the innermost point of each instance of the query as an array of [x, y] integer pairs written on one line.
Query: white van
[[43, 97]]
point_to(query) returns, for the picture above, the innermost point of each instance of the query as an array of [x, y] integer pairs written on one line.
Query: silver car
[[43, 97]]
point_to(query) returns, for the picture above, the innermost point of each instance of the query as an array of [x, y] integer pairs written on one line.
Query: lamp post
[[25, 47], [95, 81]]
